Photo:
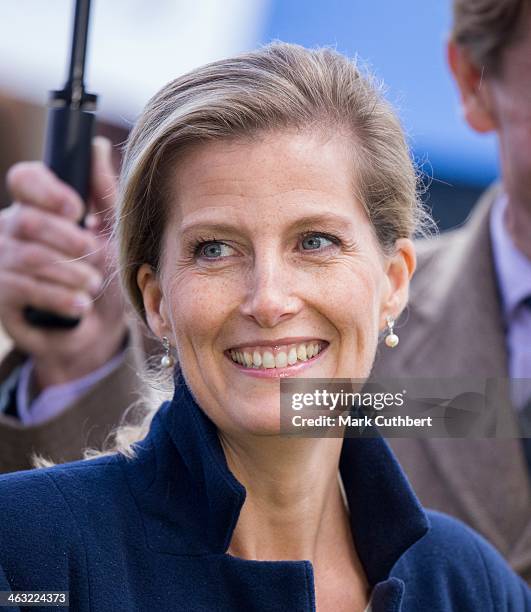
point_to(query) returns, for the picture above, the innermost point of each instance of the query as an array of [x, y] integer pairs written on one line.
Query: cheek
[[514, 127], [353, 308], [515, 145], [199, 304], [350, 300], [354, 296], [519, 142]]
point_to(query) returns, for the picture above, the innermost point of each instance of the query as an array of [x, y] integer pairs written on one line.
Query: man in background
[[63, 391], [469, 313]]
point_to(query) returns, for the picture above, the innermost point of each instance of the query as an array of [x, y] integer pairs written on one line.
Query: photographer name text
[[350, 421]]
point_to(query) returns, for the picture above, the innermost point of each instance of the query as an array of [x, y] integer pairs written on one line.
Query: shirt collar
[[513, 268], [193, 492]]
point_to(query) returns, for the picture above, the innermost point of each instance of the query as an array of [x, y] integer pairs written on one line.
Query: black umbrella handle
[[67, 149]]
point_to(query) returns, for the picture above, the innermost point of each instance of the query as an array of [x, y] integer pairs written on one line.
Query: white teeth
[[292, 355], [268, 361], [281, 360], [301, 352]]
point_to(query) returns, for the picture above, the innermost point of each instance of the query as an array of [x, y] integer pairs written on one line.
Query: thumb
[[103, 184]]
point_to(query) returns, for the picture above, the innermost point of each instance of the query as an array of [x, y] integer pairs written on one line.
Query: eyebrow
[[323, 219], [326, 219]]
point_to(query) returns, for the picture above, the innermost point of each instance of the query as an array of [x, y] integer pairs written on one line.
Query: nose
[[269, 297]]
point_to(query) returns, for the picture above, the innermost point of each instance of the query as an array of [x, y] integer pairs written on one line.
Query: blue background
[[404, 44]]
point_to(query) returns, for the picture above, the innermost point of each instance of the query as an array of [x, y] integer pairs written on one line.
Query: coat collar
[[190, 501], [513, 268]]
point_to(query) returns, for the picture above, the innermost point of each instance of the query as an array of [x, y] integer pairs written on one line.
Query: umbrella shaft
[[79, 48]]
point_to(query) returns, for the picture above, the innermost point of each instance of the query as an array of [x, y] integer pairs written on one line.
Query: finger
[[28, 338], [35, 184], [20, 290], [46, 264], [31, 224]]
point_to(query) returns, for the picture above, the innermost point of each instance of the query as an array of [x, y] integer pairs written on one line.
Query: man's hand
[[49, 262]]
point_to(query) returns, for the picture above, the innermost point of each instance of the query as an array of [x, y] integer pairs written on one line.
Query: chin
[[255, 419]]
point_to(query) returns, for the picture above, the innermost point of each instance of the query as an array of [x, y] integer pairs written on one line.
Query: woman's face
[[269, 268]]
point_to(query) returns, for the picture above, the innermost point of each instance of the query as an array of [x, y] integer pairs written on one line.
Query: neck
[[294, 507], [295, 510], [518, 223]]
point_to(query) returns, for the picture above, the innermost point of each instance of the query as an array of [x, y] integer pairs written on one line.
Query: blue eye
[[213, 250], [315, 242]]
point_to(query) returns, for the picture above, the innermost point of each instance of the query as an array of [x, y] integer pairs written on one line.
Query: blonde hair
[[487, 27], [280, 86]]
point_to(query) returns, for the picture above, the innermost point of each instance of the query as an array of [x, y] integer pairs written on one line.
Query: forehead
[[274, 176]]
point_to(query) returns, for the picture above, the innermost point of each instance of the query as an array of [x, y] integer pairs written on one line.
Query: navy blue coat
[[151, 533]]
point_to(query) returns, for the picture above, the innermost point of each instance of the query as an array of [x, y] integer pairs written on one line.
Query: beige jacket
[[84, 424], [454, 329]]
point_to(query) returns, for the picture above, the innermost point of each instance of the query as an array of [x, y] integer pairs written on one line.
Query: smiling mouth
[[276, 357]]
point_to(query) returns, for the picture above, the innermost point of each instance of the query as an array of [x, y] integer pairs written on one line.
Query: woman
[[267, 207]]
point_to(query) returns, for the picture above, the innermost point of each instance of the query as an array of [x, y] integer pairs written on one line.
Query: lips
[[277, 356]]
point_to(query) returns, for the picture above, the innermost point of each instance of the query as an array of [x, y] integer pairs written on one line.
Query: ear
[[473, 88], [399, 269], [154, 303]]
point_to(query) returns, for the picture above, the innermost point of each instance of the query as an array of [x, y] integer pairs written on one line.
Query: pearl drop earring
[[166, 361], [391, 339]]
